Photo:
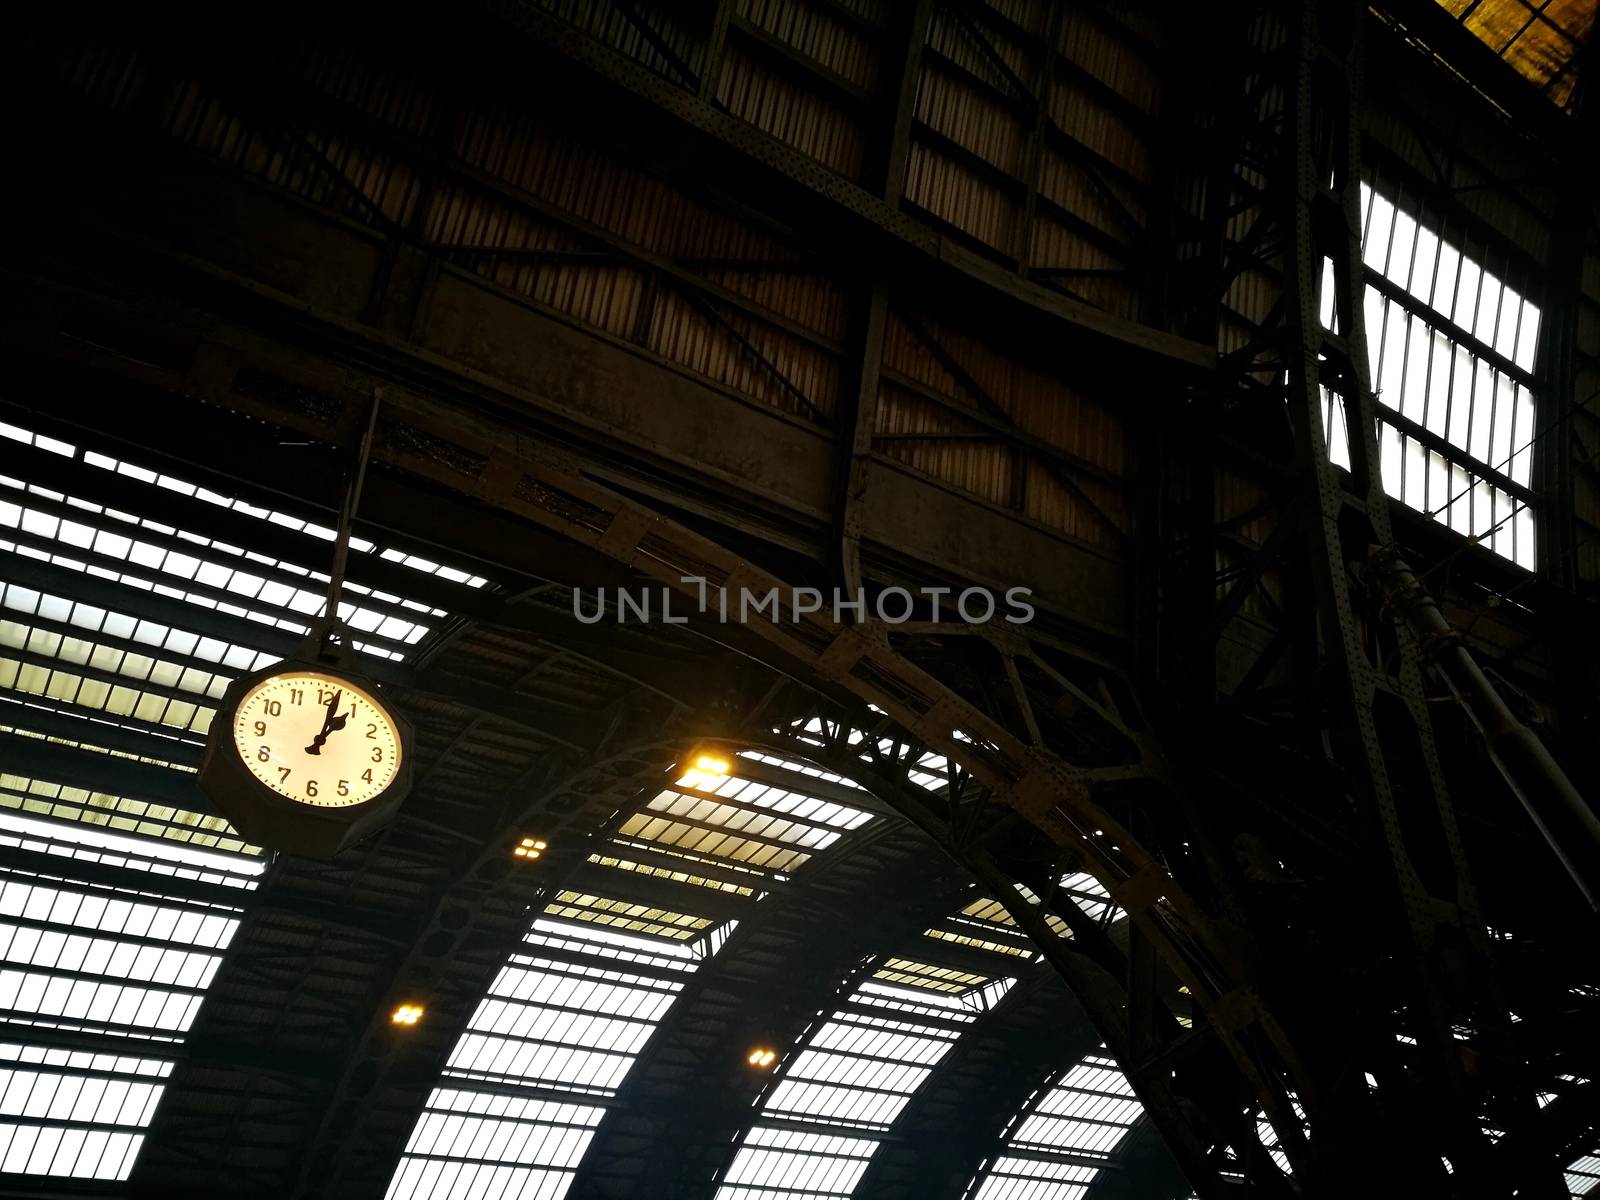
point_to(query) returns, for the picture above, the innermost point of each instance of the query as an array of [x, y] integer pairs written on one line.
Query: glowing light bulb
[[406, 1014]]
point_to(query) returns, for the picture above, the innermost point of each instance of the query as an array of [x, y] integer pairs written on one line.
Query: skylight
[[626, 915], [555, 1036], [147, 554], [855, 1072], [100, 982], [73, 1113], [119, 813], [1583, 1176], [728, 818], [1542, 41], [550, 1044], [1451, 348], [117, 972], [1063, 1136], [97, 660], [1080, 887]]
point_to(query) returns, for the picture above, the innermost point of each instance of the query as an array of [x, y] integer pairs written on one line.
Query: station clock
[[306, 758]]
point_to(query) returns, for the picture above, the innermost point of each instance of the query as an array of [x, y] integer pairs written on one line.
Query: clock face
[[316, 739]]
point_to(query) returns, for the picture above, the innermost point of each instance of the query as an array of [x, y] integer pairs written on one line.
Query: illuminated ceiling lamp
[[707, 769], [406, 1014]]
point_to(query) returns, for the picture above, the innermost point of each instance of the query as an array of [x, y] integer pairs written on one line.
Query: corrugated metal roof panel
[[1110, 59], [1036, 399], [972, 118], [952, 193], [1542, 42], [1029, 14], [954, 39], [836, 44], [606, 23], [790, 113], [376, 88], [681, 331], [1087, 120]]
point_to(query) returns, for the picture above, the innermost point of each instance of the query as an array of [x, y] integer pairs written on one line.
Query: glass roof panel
[[1058, 1142], [556, 1035], [470, 1144], [1540, 40], [1452, 353], [99, 981], [142, 552], [72, 1113], [120, 968], [570, 1012], [1583, 1175], [716, 818], [855, 1070], [626, 915], [119, 813]]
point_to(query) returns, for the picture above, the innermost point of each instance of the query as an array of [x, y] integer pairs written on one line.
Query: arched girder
[[463, 940], [479, 918], [1187, 1082], [1073, 703], [300, 988], [1068, 804], [364, 1126], [690, 1092], [340, 1100], [1276, 999]]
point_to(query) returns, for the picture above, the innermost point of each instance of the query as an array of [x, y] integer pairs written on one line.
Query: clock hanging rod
[[306, 755], [329, 626]]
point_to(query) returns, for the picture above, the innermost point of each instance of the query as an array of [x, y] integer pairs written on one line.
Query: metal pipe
[[1563, 817]]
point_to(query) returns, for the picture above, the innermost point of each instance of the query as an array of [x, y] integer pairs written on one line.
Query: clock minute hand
[[329, 723]]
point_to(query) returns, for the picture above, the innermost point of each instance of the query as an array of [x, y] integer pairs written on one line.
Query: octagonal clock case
[[307, 757]]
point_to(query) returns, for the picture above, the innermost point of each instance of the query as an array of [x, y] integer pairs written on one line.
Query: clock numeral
[[344, 787], [263, 754], [296, 696], [372, 732], [261, 729], [324, 697], [311, 787], [274, 708], [366, 775], [283, 774], [377, 754]]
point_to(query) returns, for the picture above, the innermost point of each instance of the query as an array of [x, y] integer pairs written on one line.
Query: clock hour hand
[[329, 724]]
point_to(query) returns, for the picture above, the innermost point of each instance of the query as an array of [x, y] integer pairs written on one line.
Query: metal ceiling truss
[[475, 919], [1056, 701], [690, 1092], [852, 210], [384, 1080], [1342, 703], [1048, 699], [959, 1114], [1054, 769]]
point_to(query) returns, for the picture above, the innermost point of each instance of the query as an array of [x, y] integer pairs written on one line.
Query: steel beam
[[740, 151], [58, 763]]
